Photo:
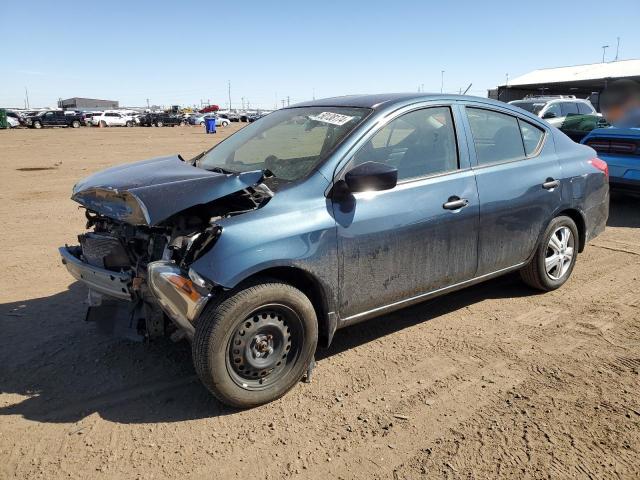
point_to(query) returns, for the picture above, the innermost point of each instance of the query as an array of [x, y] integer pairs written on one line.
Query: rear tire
[[255, 344], [224, 124], [555, 256], [159, 124], [37, 125], [129, 124], [75, 124]]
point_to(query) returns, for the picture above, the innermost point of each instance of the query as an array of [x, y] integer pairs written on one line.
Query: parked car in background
[[160, 120], [325, 214], [87, 116], [112, 118], [200, 119], [620, 148], [54, 118], [555, 109], [16, 119], [12, 122]]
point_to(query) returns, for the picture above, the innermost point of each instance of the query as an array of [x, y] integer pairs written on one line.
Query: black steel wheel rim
[[264, 347]]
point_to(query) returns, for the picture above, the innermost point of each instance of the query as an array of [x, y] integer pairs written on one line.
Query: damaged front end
[[147, 223]]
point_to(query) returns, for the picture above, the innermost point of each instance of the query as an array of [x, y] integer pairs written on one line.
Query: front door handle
[[550, 183], [455, 203]]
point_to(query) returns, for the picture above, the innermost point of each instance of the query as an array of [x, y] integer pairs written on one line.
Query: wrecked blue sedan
[[326, 214]]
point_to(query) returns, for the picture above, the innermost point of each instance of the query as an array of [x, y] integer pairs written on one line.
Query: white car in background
[[112, 118]]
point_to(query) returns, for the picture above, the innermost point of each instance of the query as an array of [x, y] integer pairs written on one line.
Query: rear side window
[[531, 137], [584, 109], [569, 108], [496, 136]]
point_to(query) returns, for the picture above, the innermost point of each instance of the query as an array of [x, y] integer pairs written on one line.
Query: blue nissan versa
[[325, 214]]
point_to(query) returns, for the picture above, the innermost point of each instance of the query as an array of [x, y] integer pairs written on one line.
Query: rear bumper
[[107, 282], [618, 183]]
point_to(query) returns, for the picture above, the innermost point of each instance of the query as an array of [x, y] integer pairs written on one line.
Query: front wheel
[[159, 124], [129, 123], [224, 124], [37, 125], [256, 344], [555, 257], [75, 124]]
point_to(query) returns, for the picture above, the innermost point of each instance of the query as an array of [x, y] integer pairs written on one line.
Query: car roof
[[383, 100]]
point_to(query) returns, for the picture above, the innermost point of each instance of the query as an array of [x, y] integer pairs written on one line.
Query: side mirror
[[371, 176], [549, 115]]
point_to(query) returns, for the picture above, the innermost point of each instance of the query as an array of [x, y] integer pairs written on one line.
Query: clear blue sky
[[179, 52]]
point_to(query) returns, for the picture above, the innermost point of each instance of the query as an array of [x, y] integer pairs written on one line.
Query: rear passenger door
[[517, 174]]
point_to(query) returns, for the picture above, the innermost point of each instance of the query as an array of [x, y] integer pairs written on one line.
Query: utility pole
[[313, 94], [26, 96], [283, 103], [229, 95], [507, 82], [148, 107], [242, 102], [441, 80], [617, 48], [604, 49], [288, 100]]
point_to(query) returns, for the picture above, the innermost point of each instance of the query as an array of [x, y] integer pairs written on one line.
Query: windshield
[[288, 142], [533, 107]]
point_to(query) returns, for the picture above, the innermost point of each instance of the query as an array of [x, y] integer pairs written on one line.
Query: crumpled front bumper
[[107, 282], [179, 298]]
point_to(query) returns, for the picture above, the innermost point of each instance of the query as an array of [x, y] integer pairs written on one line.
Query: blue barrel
[[210, 125]]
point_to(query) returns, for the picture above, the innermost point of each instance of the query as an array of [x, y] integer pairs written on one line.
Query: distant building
[[581, 80], [78, 103]]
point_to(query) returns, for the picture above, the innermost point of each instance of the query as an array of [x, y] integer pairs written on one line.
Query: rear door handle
[[454, 203], [550, 183]]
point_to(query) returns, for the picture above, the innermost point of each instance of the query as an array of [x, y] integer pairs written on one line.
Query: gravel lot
[[495, 381]]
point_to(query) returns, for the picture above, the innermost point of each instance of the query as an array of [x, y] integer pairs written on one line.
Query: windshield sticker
[[332, 118]]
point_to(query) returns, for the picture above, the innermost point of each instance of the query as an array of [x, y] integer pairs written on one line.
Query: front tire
[[37, 125], [225, 124], [75, 124], [255, 344], [555, 256], [159, 124]]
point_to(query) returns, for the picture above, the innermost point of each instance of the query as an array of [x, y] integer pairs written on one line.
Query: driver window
[[418, 144]]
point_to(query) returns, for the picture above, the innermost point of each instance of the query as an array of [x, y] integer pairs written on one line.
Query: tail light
[[625, 147], [600, 165]]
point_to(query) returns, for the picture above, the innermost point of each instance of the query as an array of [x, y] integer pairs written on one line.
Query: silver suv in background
[[555, 109]]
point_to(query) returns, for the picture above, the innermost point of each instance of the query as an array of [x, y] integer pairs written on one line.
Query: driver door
[[401, 243]]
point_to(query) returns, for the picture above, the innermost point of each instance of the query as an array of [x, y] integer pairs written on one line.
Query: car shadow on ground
[[624, 210], [54, 367]]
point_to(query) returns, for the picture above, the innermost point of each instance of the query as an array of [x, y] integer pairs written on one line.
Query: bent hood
[[149, 192]]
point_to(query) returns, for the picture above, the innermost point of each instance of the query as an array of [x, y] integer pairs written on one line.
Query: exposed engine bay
[[127, 249]]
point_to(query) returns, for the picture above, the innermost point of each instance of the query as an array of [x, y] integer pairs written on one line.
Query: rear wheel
[[256, 344], [75, 124], [555, 257], [224, 124], [37, 124], [159, 123], [129, 123]]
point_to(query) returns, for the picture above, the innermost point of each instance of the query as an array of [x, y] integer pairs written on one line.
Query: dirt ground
[[495, 381]]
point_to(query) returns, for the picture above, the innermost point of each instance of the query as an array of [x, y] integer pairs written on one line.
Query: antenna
[[465, 92], [229, 95], [441, 80], [617, 48]]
